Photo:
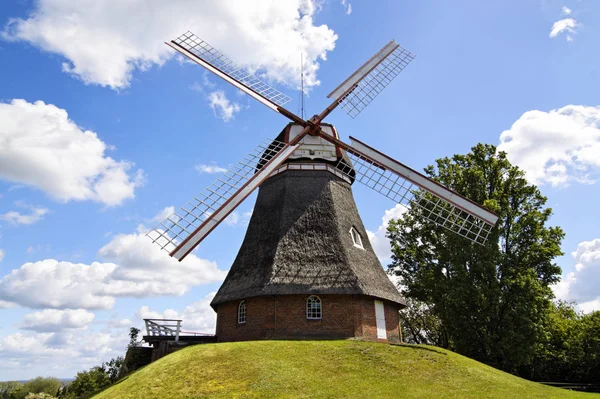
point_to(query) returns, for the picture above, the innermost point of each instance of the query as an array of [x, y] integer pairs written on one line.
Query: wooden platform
[[184, 339]]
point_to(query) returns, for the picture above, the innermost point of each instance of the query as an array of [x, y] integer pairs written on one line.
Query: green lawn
[[324, 369]]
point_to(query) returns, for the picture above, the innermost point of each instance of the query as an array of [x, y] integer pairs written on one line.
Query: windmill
[[306, 267]]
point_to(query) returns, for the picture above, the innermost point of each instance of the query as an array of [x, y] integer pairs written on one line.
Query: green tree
[[88, 382], [421, 326], [491, 300], [38, 385], [133, 337]]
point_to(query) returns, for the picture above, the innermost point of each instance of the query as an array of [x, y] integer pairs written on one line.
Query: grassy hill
[[324, 369]]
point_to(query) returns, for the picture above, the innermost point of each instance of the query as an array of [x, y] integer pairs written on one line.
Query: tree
[[133, 337], [38, 385], [491, 300], [421, 326]]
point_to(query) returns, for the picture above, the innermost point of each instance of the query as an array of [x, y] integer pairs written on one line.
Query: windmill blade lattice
[[212, 56], [450, 215], [208, 206], [375, 81]]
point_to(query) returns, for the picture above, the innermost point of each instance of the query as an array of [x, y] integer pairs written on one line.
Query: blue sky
[[102, 127]]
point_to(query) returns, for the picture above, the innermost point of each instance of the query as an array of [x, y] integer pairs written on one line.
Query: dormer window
[[242, 312], [356, 238]]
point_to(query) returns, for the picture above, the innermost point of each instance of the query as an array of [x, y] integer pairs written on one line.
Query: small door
[[380, 319]]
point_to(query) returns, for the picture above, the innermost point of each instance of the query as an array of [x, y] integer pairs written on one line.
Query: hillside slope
[[324, 369]]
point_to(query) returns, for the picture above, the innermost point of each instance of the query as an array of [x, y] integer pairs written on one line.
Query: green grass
[[324, 369]]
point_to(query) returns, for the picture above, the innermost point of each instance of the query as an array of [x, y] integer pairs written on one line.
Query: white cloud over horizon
[[42, 148], [102, 46], [556, 147], [132, 266], [581, 284], [379, 241]]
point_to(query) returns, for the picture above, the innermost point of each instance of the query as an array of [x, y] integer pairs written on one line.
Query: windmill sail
[[356, 92], [410, 188], [210, 58], [181, 232]]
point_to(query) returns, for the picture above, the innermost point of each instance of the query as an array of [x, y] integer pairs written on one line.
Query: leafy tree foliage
[[86, 383], [569, 350], [492, 300], [38, 386], [421, 326]]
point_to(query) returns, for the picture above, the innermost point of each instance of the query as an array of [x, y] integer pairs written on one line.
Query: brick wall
[[284, 317]]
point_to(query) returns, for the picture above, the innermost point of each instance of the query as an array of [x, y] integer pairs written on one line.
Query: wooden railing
[[163, 327]]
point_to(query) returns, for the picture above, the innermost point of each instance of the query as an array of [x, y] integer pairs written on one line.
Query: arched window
[[242, 312], [313, 308], [356, 238]]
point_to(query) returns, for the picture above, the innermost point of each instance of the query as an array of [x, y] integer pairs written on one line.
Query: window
[[242, 312], [313, 308], [356, 238]]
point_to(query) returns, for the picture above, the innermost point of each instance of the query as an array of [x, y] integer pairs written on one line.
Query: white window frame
[[309, 314], [241, 313], [356, 238]]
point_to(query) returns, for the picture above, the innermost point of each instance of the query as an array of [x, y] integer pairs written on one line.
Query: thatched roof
[[298, 242]]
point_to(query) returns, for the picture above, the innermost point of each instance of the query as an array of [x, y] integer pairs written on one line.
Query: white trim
[[354, 233]]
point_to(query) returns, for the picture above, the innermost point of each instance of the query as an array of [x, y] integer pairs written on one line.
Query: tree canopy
[[491, 300]]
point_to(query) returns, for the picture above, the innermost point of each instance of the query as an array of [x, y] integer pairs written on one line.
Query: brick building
[[306, 268]]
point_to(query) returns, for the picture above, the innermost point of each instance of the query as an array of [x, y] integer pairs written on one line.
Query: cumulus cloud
[[556, 147], [133, 266], [209, 168], [35, 215], [222, 107], [567, 26], [566, 10], [165, 213], [41, 147], [581, 285], [380, 243], [26, 355], [1, 254], [197, 317], [105, 42], [52, 320]]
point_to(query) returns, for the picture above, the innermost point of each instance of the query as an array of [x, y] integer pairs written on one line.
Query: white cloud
[[165, 213], [26, 355], [41, 147], [6, 305], [581, 285], [556, 147], [347, 6], [52, 320], [222, 107], [53, 284], [197, 317], [379, 241], [142, 267], [105, 42], [235, 218], [1, 254], [209, 168], [566, 10], [566, 25], [14, 217], [135, 267]]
